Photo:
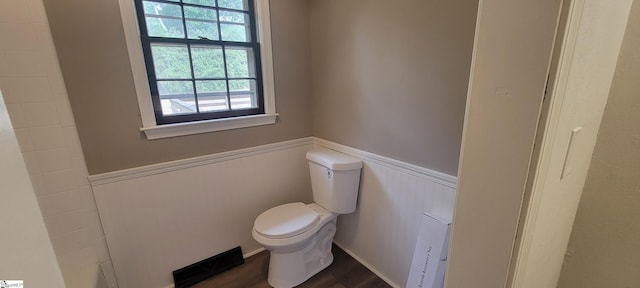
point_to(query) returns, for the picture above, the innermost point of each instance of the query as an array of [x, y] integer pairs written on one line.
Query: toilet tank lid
[[334, 160]]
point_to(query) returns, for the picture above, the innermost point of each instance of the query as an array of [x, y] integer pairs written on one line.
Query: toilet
[[299, 235]]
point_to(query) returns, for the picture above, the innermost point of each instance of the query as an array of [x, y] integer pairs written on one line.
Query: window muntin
[[202, 58]]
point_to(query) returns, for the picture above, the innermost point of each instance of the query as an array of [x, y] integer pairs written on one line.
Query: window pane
[[234, 32], [207, 61], [239, 85], [212, 95], [161, 9], [242, 94], [233, 4], [202, 30], [211, 3], [238, 60], [171, 61], [200, 13], [234, 17], [163, 20], [234, 26], [177, 97], [201, 23]]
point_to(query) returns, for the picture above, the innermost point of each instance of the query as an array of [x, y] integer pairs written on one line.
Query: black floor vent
[[207, 268]]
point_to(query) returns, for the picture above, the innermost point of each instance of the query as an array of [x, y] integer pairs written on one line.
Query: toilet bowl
[[300, 246], [298, 235]]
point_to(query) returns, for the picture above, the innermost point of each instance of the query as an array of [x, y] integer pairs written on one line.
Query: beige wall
[[514, 41], [93, 55], [603, 250], [25, 250], [392, 78], [386, 79]]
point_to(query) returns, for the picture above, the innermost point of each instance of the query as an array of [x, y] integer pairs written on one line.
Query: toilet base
[[291, 269]]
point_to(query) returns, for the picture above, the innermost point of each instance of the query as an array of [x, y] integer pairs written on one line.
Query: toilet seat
[[286, 220]]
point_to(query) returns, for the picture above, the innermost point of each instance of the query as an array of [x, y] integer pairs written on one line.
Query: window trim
[[149, 126]]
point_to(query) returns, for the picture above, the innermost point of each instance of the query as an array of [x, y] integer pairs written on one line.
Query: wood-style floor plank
[[344, 272]]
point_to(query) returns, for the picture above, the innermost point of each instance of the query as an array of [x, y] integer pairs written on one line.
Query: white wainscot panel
[[393, 196], [158, 219]]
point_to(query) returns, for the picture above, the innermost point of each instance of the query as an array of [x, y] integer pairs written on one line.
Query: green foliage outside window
[[171, 61]]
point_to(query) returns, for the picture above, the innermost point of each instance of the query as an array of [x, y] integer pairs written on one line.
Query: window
[[201, 58], [200, 65]]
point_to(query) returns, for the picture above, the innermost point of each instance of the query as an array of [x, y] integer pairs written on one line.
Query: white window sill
[[188, 128]]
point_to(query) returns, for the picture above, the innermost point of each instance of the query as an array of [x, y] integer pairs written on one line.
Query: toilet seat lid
[[286, 220]]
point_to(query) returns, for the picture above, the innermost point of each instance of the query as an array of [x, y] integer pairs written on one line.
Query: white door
[[512, 53], [586, 65]]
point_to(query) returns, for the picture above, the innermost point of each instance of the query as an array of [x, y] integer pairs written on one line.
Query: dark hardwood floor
[[344, 272]]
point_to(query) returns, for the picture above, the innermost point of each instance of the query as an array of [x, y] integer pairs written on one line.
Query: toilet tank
[[335, 179]]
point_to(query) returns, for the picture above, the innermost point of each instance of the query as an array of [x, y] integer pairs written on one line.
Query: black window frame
[[254, 45]]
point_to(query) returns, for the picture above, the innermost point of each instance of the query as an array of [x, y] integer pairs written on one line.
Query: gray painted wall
[[392, 78], [389, 79], [91, 46]]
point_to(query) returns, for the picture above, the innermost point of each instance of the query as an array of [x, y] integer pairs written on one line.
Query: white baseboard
[[370, 267], [254, 252]]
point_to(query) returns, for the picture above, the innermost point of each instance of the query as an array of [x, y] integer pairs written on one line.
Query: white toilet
[[299, 235]]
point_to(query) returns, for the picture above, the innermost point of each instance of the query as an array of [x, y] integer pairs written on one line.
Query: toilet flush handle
[[328, 173]]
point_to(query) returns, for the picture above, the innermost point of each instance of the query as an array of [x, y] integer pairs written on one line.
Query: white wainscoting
[[162, 217], [383, 231]]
